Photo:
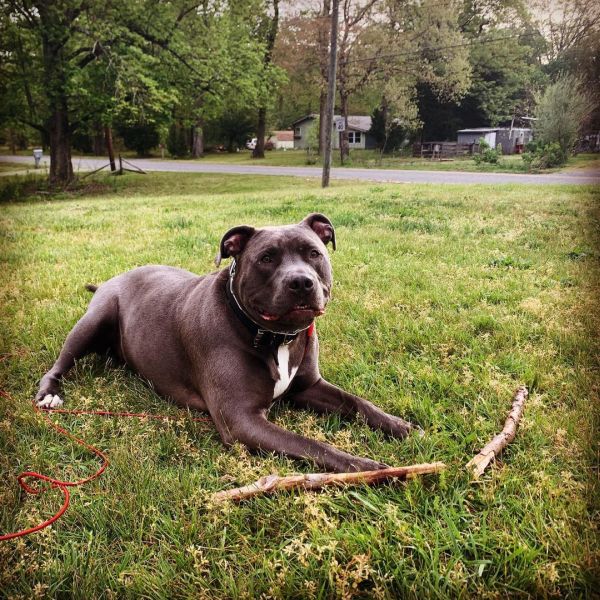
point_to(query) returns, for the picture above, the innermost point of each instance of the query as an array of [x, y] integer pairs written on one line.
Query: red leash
[[65, 485]]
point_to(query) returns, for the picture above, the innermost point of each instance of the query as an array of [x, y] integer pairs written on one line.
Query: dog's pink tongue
[[269, 317]]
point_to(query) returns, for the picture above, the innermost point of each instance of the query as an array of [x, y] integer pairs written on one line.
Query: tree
[[189, 54], [561, 112], [56, 52], [177, 143], [141, 137], [232, 128], [301, 50], [392, 122], [566, 24], [267, 29]]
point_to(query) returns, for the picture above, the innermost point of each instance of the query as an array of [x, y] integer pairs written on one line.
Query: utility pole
[[330, 92]]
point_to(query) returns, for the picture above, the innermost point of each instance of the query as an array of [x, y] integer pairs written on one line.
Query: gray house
[[512, 140], [358, 127]]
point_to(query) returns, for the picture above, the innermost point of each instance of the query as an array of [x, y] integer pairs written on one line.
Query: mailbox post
[[37, 156], [340, 127]]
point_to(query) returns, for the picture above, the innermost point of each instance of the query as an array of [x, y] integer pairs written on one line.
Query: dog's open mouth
[[298, 311]]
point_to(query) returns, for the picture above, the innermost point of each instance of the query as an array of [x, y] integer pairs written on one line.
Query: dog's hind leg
[[94, 332]]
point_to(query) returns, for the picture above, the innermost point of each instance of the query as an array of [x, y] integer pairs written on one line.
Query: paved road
[[575, 177]]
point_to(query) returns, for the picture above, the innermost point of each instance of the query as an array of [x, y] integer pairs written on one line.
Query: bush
[[177, 141], [544, 156], [141, 137], [487, 154], [561, 112]]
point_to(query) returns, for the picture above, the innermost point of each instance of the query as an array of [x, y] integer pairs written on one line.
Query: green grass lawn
[[10, 168], [446, 298], [371, 160]]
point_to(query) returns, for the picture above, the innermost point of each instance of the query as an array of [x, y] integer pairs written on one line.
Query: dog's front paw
[[50, 401], [398, 427]]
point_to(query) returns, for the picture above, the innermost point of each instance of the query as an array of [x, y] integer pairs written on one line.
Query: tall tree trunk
[[323, 45], [61, 166], [12, 141], [261, 130], [109, 147], [198, 139], [55, 34], [261, 125], [322, 119], [98, 140]]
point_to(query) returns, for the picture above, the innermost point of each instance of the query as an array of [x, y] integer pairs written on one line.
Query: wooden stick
[[480, 462], [312, 481]]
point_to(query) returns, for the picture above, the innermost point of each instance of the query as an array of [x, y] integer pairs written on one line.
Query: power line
[[434, 49]]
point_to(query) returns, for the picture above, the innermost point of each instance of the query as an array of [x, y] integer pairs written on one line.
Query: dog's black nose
[[301, 283]]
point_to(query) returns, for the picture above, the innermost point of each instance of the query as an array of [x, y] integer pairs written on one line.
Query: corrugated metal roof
[[480, 129], [490, 129]]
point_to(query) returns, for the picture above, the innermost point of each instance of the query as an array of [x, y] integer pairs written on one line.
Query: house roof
[[305, 118], [358, 122], [479, 130], [355, 122], [284, 136], [490, 129]]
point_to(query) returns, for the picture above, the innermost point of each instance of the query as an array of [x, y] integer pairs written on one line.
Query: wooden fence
[[440, 150]]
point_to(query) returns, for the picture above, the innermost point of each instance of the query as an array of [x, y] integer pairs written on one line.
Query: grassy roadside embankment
[[445, 299], [369, 159]]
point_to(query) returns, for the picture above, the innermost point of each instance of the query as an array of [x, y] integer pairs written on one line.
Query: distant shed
[[512, 140]]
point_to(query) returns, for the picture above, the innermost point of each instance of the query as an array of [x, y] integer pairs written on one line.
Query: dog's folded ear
[[233, 242], [322, 226]]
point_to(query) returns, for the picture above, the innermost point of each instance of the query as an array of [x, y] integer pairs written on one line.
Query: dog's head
[[282, 274]]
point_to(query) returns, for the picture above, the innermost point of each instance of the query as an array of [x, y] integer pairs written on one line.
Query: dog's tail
[[91, 288]]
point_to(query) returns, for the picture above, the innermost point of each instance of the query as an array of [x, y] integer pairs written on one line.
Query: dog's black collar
[[262, 337]]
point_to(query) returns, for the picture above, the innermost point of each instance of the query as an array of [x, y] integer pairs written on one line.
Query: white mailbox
[[37, 156]]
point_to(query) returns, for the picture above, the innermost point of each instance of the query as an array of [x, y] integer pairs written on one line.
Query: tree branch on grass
[[480, 462], [313, 481]]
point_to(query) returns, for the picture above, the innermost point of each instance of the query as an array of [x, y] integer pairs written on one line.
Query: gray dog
[[231, 341]]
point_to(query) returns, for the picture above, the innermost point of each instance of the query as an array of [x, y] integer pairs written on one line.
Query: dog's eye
[[315, 254], [266, 259]]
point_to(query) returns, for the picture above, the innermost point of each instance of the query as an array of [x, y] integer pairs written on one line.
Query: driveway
[[575, 177]]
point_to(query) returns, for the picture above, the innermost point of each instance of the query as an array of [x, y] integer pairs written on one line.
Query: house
[[282, 140], [358, 128], [512, 139]]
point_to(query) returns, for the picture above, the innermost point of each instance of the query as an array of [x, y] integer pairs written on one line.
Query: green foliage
[[504, 74], [388, 137], [232, 129], [312, 142], [539, 156], [487, 154], [177, 142], [141, 137], [561, 112]]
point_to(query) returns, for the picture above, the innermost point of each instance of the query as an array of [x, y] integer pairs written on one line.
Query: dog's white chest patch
[[285, 374]]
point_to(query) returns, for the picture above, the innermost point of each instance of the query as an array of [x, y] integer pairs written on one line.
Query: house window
[[297, 132], [354, 137]]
